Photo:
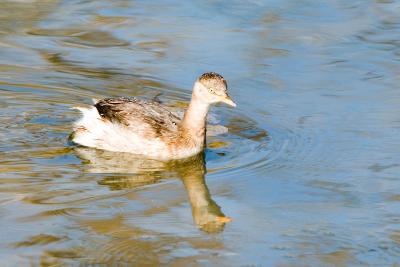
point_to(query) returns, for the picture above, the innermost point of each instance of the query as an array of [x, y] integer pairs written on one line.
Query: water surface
[[308, 170]]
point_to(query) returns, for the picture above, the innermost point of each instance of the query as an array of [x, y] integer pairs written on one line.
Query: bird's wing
[[136, 113]]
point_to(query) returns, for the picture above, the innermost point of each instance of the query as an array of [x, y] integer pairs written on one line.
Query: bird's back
[[148, 117]]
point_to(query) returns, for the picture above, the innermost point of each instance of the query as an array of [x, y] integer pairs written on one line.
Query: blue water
[[308, 171]]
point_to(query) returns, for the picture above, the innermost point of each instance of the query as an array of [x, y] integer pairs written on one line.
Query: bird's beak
[[227, 100]]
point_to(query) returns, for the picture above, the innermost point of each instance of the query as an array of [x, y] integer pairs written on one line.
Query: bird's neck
[[194, 120]]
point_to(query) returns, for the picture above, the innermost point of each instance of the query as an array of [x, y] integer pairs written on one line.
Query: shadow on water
[[138, 172]]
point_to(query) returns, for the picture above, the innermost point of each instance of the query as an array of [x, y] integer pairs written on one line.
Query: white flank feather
[[92, 131]]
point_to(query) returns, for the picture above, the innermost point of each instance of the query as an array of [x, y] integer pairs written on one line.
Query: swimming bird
[[128, 124]]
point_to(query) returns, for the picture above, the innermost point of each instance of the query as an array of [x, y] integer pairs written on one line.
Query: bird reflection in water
[[207, 215]]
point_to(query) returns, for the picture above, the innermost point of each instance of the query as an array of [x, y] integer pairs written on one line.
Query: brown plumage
[[146, 127], [129, 111]]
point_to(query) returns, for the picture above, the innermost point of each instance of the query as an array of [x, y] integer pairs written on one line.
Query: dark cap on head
[[217, 88], [213, 80]]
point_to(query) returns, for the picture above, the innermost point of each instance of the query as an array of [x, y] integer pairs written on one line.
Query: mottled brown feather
[[131, 112]]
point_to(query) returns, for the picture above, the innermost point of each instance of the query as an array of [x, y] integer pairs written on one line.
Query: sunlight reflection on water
[[308, 169]]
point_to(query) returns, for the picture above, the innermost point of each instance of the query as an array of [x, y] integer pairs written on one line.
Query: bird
[[148, 128]]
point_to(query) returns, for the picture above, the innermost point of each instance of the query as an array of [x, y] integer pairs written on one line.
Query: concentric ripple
[[252, 148]]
